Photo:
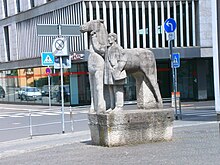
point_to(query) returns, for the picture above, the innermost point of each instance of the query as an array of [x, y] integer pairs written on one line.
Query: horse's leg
[[145, 98], [153, 86], [148, 66], [91, 80], [99, 91]]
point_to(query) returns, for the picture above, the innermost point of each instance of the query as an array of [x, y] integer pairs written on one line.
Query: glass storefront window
[[14, 83]]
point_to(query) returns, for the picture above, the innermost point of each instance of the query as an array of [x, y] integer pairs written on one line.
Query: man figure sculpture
[[114, 74]]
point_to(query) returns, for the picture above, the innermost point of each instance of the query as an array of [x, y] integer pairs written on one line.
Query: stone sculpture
[[98, 47], [114, 73], [139, 62], [109, 65]]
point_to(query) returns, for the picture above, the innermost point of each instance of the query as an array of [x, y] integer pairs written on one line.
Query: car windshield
[[32, 90]]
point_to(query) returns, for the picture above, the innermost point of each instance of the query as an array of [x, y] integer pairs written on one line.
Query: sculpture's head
[[112, 38], [93, 25]]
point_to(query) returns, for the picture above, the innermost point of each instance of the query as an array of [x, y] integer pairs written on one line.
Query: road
[[195, 141], [15, 119]]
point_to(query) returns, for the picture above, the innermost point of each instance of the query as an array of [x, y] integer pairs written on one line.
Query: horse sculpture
[[98, 47], [140, 63]]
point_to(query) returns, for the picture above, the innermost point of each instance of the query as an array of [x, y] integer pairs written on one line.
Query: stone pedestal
[[131, 127]]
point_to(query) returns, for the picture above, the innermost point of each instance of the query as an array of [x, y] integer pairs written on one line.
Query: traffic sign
[[175, 60], [66, 62], [48, 71], [60, 47], [58, 29], [170, 36], [47, 59], [170, 25]]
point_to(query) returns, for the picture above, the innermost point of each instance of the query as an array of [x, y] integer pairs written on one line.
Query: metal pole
[[62, 100], [30, 124], [61, 77], [49, 91], [173, 75], [175, 86]]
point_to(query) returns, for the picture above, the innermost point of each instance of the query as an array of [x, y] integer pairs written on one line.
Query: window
[[32, 3], [18, 6], [5, 7], [6, 31]]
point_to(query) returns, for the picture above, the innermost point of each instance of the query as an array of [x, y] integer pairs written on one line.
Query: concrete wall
[[13, 42], [25, 5], [39, 2], [12, 9], [1, 10], [205, 27], [2, 46]]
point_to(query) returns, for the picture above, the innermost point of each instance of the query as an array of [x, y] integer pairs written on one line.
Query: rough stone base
[[131, 127]]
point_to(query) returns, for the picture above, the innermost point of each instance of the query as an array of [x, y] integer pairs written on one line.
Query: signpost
[[60, 49], [170, 27], [48, 72], [47, 59]]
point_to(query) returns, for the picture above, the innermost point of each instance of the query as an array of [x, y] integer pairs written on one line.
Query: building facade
[[138, 24]]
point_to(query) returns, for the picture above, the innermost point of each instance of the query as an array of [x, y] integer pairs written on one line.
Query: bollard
[[30, 124], [218, 120], [71, 118], [180, 110]]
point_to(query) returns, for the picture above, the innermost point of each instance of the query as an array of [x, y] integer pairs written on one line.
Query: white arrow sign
[[170, 25]]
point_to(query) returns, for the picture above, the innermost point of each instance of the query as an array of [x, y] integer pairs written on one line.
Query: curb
[[12, 148]]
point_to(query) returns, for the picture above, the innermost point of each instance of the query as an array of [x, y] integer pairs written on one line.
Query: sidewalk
[[190, 145], [197, 143]]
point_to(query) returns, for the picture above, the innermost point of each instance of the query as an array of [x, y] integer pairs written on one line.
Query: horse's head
[[93, 25], [96, 27]]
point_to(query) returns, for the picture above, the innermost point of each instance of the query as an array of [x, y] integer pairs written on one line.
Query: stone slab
[[131, 127]]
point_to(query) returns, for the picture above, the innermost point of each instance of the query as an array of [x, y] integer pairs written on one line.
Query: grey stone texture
[[131, 127], [205, 28], [108, 64], [140, 63], [98, 47], [114, 73]]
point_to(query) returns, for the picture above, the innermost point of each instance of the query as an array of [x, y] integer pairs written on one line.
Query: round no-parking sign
[[48, 71]]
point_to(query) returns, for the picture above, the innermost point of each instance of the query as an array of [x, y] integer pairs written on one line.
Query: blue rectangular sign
[[175, 60], [47, 59]]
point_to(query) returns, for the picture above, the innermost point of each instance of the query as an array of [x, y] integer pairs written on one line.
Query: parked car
[[54, 90], [2, 92], [66, 93], [45, 90], [20, 91], [31, 93]]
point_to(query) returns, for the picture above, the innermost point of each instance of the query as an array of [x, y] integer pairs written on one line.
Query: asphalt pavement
[[195, 142]]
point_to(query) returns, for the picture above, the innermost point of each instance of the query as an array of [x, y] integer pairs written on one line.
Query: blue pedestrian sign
[[47, 59], [170, 25], [175, 60]]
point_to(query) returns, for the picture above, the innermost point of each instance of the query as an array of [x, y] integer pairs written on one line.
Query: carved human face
[[111, 39]]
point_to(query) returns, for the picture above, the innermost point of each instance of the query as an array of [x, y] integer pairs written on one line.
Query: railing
[[30, 114]]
